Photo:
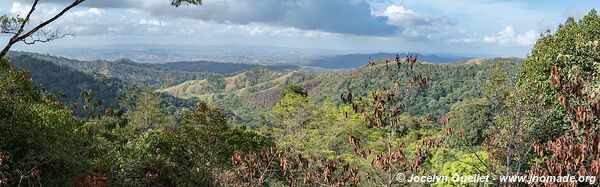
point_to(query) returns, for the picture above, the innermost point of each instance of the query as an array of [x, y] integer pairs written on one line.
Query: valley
[[243, 91]]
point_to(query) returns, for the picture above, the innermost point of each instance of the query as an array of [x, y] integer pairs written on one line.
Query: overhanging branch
[[20, 37]]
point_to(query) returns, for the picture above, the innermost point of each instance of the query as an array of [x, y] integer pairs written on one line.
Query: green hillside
[[69, 83], [258, 89], [244, 95], [449, 83], [125, 70], [243, 84]]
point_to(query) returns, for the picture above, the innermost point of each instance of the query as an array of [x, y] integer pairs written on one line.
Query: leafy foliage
[[459, 163], [38, 135], [470, 118], [563, 72]]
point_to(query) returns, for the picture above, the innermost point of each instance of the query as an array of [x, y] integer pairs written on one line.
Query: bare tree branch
[[44, 36], [27, 18], [20, 37], [75, 3]]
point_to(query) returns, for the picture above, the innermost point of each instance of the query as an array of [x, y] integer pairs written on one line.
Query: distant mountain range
[[247, 54], [349, 61], [218, 67]]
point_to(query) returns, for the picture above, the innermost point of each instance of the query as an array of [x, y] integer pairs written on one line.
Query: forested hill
[[350, 61], [154, 75], [259, 89], [68, 84], [448, 83], [127, 71], [241, 84]]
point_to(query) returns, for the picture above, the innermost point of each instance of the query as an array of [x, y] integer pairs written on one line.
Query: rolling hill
[[69, 83], [245, 95], [243, 84], [154, 75], [125, 70], [448, 83]]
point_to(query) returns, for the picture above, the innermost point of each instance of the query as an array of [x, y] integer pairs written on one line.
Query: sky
[[459, 27]]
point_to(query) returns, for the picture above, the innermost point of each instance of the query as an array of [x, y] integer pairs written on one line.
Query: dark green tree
[[39, 142], [294, 89], [470, 118], [497, 89], [563, 74]]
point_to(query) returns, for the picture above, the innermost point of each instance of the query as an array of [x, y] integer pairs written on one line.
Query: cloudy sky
[[473, 27]]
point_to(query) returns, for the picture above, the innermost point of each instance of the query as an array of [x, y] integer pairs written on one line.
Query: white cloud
[[508, 36], [197, 28], [99, 22], [19, 9], [462, 40], [474, 18], [154, 22], [402, 16], [527, 38], [88, 12], [423, 22], [398, 15], [414, 24]]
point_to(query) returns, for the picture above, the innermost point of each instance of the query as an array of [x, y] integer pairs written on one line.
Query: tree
[[547, 125], [449, 162], [471, 118], [44, 143], [152, 149], [496, 90], [311, 146], [292, 114], [313, 130], [294, 89], [39, 142], [178, 3], [146, 111], [41, 137], [563, 72]]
